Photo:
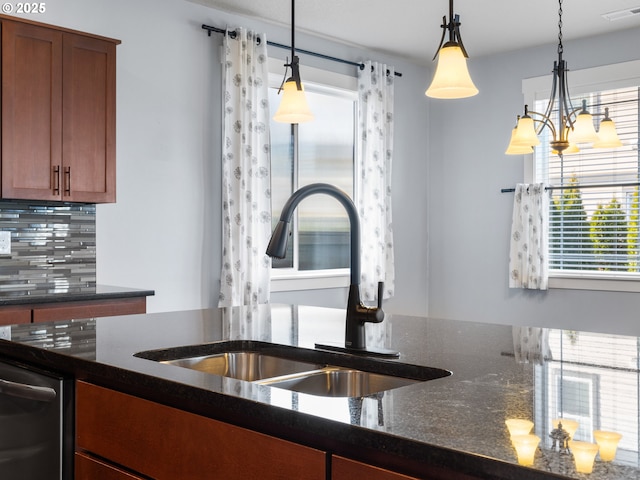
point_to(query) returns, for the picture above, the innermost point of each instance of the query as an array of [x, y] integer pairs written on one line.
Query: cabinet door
[[165, 443], [31, 111], [88, 309], [13, 315], [89, 120], [346, 469], [88, 468]]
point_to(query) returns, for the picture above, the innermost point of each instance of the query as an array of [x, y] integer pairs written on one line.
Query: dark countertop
[[457, 421], [29, 296]]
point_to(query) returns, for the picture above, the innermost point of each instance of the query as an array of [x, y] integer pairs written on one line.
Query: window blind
[[594, 209]]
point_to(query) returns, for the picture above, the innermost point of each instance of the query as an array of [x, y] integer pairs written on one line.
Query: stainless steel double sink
[[313, 372]]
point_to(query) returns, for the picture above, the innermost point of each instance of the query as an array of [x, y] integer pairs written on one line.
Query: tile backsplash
[[53, 246]]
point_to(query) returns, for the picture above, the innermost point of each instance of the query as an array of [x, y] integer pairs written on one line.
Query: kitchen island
[[451, 427]]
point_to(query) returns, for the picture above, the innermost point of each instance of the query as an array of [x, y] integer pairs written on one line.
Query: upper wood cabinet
[[58, 114]]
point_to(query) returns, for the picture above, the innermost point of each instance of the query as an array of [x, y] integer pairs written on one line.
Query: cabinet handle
[[56, 180], [67, 181]]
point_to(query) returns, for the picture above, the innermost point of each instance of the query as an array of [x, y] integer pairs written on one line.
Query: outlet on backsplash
[[5, 333], [5, 243]]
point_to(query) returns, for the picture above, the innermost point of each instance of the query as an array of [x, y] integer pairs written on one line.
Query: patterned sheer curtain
[[246, 182], [373, 185], [529, 254]]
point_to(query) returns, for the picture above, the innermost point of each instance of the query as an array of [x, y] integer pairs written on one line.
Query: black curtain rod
[[210, 29], [579, 187]]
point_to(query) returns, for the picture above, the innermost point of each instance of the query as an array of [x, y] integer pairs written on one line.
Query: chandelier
[[574, 125]]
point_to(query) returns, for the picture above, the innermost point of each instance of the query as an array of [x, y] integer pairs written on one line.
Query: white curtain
[[246, 180], [531, 344], [528, 259], [373, 185]]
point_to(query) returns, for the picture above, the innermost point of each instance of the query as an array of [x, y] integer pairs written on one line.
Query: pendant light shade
[[293, 106], [451, 79]]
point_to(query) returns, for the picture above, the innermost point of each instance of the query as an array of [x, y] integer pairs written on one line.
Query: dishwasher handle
[[29, 392]]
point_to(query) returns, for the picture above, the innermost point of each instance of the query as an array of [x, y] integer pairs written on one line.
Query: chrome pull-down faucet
[[357, 313]]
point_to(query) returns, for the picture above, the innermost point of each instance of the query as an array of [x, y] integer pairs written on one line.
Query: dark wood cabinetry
[[347, 469], [13, 315], [95, 469], [161, 442], [58, 114], [49, 312]]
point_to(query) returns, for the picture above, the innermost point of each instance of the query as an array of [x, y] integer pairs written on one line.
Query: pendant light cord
[[560, 46], [293, 28]]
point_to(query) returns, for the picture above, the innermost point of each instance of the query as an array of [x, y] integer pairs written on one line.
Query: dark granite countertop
[[26, 295], [456, 421]]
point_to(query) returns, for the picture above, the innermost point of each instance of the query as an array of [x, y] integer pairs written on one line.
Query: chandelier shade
[[451, 78], [513, 149], [607, 135], [583, 129], [525, 133]]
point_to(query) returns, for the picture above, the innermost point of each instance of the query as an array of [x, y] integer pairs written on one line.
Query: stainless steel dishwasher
[[36, 421]]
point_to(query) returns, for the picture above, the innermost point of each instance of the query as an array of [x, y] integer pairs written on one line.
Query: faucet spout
[[357, 313], [278, 244]]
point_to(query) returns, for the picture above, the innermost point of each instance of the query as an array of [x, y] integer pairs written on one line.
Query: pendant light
[[452, 79], [293, 106], [573, 126]]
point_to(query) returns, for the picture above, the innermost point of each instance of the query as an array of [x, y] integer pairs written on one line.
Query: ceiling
[[411, 28]]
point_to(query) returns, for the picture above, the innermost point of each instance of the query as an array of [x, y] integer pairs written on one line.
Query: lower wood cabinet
[[87, 467], [12, 315], [165, 443], [49, 312], [90, 308], [346, 469]]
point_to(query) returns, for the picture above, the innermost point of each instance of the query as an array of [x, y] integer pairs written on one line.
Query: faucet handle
[[380, 293]]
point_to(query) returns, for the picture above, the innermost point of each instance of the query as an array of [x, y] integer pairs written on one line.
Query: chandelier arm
[[545, 120], [572, 111], [552, 97], [571, 117]]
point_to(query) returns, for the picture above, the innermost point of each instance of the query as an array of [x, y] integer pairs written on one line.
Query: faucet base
[[369, 351]]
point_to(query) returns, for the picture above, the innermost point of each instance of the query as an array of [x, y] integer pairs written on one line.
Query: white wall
[[469, 219], [164, 231]]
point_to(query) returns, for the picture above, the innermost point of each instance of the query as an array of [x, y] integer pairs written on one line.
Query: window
[[319, 151], [594, 208]]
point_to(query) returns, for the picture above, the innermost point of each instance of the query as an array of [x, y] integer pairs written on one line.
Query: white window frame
[[606, 77], [315, 79]]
